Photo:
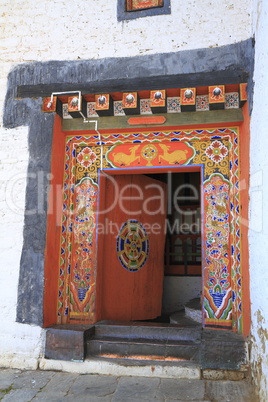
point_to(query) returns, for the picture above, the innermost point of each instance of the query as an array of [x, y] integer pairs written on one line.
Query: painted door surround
[[214, 151]]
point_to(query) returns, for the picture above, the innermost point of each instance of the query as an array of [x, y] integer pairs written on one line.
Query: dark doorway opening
[[183, 261]]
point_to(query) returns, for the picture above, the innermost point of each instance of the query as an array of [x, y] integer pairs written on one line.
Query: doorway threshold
[[183, 343], [183, 350], [123, 367], [153, 350]]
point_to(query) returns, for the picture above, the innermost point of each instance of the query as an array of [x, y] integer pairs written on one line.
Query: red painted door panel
[[132, 247]]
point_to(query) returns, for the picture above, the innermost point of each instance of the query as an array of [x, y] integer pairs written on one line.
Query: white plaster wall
[[178, 290], [56, 29], [258, 234], [20, 344]]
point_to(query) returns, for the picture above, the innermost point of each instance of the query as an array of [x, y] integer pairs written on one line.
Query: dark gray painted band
[[223, 65], [31, 278], [199, 67]]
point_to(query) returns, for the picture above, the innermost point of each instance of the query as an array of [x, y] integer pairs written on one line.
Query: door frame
[[54, 312], [100, 217]]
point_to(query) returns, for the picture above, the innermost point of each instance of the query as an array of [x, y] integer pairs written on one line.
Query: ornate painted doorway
[[131, 247], [215, 151]]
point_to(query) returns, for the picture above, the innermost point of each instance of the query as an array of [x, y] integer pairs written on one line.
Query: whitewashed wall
[[35, 30], [42, 30], [20, 345], [53, 29], [258, 235]]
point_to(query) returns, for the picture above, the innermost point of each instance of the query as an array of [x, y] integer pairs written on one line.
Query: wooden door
[[132, 248]]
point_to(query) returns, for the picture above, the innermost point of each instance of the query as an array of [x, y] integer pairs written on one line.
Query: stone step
[[127, 367], [150, 349], [209, 349], [133, 331]]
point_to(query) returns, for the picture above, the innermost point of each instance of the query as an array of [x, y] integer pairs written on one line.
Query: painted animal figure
[[174, 157], [124, 159]]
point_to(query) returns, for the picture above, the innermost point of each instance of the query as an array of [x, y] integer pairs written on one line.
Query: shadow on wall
[[179, 290]]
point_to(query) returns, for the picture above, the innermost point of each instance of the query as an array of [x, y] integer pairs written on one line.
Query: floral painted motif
[[118, 109], [91, 109], [82, 285], [216, 151], [202, 103], [231, 100], [86, 157], [145, 107], [173, 105], [217, 301], [65, 114]]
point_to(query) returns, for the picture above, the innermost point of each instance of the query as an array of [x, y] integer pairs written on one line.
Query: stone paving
[[52, 386]]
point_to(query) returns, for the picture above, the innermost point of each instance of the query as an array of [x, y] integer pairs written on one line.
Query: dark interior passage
[[183, 265]]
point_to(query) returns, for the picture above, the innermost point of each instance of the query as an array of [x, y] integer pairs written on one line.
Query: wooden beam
[[172, 119]]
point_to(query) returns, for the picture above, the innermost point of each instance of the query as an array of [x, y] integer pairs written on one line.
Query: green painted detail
[[172, 119], [216, 174], [208, 309], [71, 298], [240, 325], [227, 310], [93, 183]]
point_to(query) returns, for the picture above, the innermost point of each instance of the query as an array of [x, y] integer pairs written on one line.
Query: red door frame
[[51, 255]]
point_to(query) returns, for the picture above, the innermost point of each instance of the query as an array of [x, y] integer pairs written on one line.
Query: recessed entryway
[[158, 284], [183, 260]]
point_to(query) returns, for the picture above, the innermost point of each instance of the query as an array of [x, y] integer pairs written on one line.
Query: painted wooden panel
[[133, 5], [133, 246], [217, 278], [153, 154]]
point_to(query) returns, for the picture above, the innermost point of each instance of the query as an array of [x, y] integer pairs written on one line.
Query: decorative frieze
[[131, 103], [216, 97], [243, 94], [188, 99], [77, 106], [158, 101], [148, 102], [104, 105]]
